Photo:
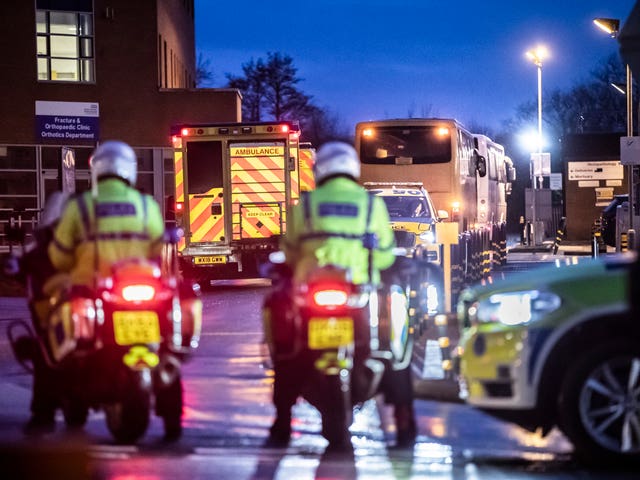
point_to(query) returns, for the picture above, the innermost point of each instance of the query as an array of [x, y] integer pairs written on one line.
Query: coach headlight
[[428, 236], [515, 308]]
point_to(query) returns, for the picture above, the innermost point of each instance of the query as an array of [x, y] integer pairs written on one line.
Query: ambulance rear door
[[259, 186], [204, 192]]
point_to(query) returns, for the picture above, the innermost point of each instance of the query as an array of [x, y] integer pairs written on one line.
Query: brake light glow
[[184, 131], [179, 206], [138, 293], [330, 298], [284, 128]]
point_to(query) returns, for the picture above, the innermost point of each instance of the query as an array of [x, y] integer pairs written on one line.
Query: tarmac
[[13, 305]]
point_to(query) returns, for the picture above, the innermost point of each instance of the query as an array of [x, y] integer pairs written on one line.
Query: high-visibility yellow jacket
[[123, 223], [327, 227]]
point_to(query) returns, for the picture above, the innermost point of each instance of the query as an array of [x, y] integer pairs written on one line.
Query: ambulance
[[234, 183]]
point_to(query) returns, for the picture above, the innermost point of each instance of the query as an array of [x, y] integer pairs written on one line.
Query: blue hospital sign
[[67, 122]]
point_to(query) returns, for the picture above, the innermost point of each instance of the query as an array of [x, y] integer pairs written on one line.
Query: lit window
[[64, 41]]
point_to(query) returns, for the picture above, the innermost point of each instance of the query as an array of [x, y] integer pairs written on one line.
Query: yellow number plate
[[210, 260], [136, 327], [330, 332]]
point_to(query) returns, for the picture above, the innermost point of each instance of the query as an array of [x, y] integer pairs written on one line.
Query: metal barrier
[[18, 228]]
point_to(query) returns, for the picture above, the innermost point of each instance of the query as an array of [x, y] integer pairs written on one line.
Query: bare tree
[[270, 92], [204, 74]]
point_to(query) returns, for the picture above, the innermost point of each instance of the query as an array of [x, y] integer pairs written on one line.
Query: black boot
[[405, 425], [40, 424], [280, 431]]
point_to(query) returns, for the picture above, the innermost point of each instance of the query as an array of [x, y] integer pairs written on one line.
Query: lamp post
[[537, 55], [611, 26]]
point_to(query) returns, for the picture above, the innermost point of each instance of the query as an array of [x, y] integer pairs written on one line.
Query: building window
[[64, 41]]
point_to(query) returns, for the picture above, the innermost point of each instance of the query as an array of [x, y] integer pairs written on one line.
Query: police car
[[411, 211], [413, 218], [558, 346]]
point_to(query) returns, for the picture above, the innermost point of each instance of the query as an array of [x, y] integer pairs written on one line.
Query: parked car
[[557, 346], [411, 211], [608, 219]]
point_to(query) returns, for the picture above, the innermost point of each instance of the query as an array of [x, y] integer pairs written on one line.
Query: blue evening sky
[[374, 59]]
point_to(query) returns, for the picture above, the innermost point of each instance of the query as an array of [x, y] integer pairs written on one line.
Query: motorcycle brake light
[[138, 293], [330, 298]]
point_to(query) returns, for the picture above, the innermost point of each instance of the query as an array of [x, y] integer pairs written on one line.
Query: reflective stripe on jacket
[[124, 222], [333, 234]]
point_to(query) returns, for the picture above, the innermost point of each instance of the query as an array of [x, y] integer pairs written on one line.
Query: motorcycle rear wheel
[[169, 404], [128, 419], [337, 412], [75, 412]]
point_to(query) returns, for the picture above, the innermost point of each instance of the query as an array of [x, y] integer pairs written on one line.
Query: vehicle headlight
[[515, 308], [428, 236]]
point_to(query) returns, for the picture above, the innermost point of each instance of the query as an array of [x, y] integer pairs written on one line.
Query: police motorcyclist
[[326, 228], [116, 221], [111, 223], [40, 276]]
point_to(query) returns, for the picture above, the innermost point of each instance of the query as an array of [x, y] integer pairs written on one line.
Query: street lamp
[[608, 25], [619, 87], [537, 56], [611, 26]]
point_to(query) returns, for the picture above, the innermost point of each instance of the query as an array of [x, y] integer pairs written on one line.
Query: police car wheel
[[600, 404]]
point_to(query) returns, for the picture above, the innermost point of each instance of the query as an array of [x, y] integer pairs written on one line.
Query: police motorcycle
[[333, 340], [119, 347]]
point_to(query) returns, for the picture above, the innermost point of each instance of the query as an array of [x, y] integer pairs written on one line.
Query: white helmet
[[114, 158], [336, 158]]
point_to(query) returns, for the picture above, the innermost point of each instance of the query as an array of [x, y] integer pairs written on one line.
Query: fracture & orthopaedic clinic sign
[[67, 123]]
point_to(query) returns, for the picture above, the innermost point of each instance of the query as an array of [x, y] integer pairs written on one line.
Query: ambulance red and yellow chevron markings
[[257, 191], [178, 169], [295, 174], [305, 166], [206, 227]]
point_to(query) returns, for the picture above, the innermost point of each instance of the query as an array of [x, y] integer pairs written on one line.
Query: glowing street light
[[537, 56], [611, 26], [620, 87], [608, 25]]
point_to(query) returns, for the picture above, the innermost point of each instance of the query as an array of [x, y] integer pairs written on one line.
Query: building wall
[[585, 199], [133, 105], [139, 98]]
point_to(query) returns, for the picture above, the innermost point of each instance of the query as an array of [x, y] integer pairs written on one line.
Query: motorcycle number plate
[[331, 332], [210, 260], [133, 327]]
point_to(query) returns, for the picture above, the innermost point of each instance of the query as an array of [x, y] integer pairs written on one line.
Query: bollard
[[594, 246], [623, 242], [562, 226], [631, 239]]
